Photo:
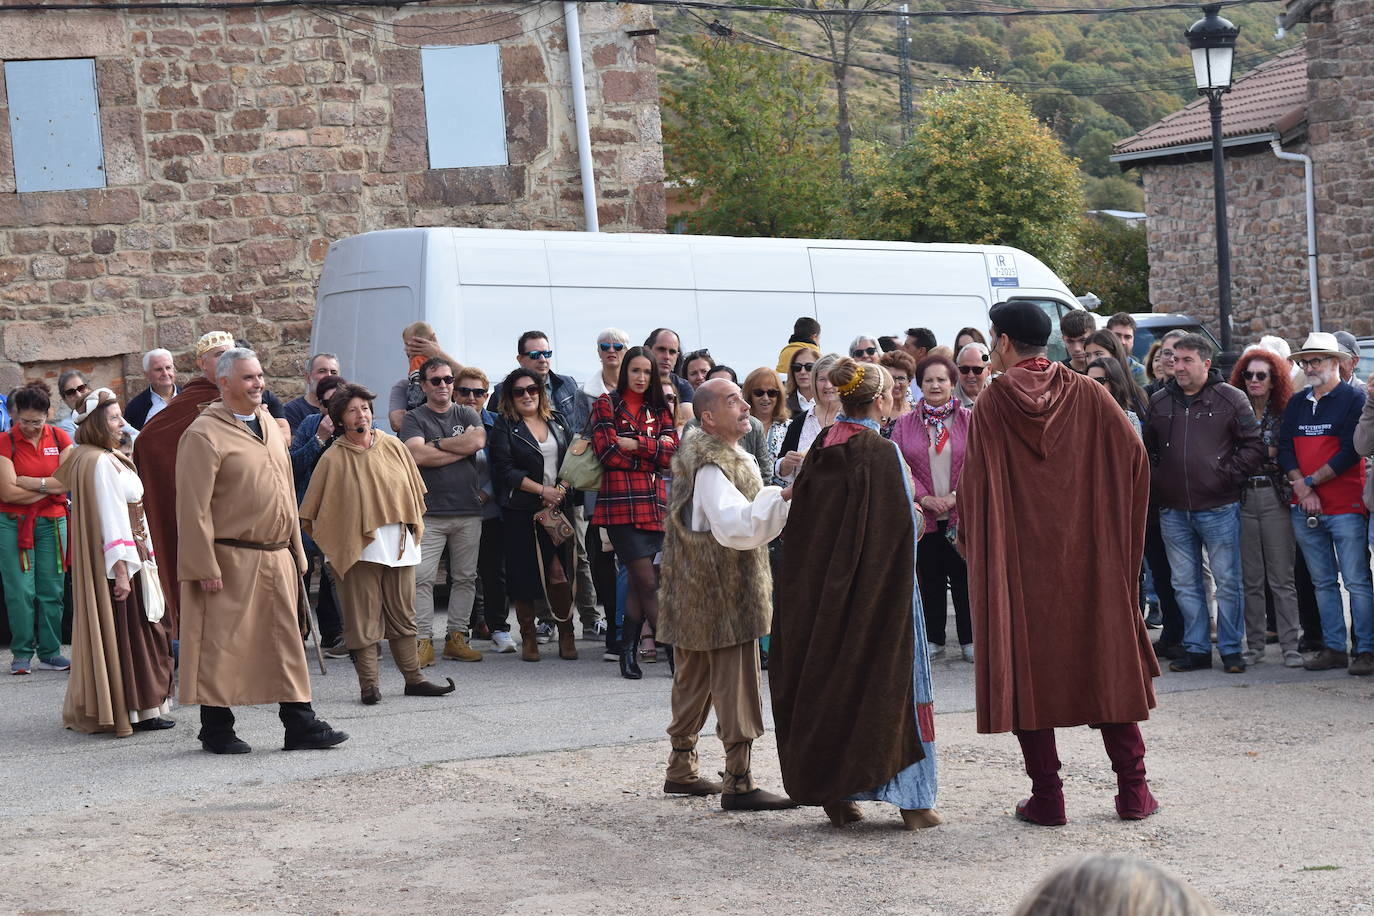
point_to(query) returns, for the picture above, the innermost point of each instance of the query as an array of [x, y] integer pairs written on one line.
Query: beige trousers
[[378, 602], [729, 680]]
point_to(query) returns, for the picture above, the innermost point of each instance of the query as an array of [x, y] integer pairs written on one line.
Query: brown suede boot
[[529, 642], [567, 640]]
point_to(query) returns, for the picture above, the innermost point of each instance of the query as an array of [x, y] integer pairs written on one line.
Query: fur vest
[[710, 596]]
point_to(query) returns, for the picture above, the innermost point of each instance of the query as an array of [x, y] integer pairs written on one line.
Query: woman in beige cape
[[121, 678]]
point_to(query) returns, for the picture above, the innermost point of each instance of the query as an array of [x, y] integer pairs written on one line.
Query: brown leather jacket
[[1201, 452]]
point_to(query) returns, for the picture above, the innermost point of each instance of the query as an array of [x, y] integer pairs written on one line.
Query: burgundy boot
[[1126, 748], [1045, 806]]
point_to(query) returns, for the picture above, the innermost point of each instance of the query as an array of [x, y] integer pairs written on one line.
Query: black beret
[[1024, 322]]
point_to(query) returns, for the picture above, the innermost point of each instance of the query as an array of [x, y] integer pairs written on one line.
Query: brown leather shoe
[[698, 786], [429, 688], [842, 814], [372, 695], [757, 800], [1327, 659]]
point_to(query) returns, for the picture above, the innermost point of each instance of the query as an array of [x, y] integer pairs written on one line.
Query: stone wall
[[1267, 226], [239, 144], [1340, 117]]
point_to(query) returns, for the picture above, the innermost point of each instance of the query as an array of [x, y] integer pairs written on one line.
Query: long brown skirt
[[126, 660]]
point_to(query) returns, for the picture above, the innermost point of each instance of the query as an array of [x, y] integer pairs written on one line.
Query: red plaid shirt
[[632, 490]]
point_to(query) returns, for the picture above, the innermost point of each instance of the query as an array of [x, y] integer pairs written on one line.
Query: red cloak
[[155, 456], [1052, 505]]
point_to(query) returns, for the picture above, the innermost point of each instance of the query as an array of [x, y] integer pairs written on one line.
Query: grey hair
[[822, 370], [1100, 885], [613, 334], [310, 363], [981, 349], [225, 363], [855, 342], [148, 357], [66, 374]]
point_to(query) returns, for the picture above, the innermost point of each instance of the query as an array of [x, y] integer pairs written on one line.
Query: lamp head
[[1213, 43]]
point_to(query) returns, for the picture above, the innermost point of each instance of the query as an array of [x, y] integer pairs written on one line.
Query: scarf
[[935, 417]]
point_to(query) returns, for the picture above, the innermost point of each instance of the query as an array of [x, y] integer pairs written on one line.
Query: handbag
[[555, 525], [581, 468]]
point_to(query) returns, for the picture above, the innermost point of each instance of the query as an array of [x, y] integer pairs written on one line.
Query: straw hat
[[1319, 343]]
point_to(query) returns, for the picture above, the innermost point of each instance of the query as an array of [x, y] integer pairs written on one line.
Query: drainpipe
[[579, 98], [1311, 227]]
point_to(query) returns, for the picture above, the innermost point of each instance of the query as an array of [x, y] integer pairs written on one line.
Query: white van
[[480, 288]]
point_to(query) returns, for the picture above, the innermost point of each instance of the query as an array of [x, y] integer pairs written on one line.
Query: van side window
[[465, 112], [1056, 350]]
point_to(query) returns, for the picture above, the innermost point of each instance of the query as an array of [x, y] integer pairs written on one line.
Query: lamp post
[[1212, 41]]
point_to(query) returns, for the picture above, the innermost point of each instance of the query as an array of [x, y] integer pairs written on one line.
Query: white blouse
[[115, 488], [389, 540], [734, 521]]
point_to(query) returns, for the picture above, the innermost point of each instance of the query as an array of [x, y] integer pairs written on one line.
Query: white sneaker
[[501, 641], [967, 649], [1253, 656], [935, 651], [1292, 659]]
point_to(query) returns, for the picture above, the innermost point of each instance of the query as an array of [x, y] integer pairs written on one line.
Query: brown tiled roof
[[1270, 98]]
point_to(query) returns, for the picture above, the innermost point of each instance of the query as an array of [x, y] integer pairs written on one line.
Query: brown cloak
[[121, 661], [155, 456], [1052, 522], [354, 491], [840, 657], [241, 645]]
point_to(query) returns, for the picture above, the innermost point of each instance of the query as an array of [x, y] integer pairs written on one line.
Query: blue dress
[[916, 786]]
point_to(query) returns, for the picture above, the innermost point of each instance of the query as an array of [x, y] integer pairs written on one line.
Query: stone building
[[199, 182], [1317, 99]]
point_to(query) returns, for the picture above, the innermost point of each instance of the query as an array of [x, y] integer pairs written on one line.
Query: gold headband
[[853, 384]]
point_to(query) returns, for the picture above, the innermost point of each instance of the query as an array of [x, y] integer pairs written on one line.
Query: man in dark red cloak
[[1055, 476], [155, 456]]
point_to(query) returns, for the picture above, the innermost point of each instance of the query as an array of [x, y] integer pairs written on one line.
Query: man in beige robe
[[239, 567]]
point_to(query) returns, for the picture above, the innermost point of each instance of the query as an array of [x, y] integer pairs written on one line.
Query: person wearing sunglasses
[[800, 392], [974, 374], [611, 345], [1318, 455], [33, 530], [1267, 542], [1106, 371], [764, 392], [864, 349], [72, 387], [444, 438]]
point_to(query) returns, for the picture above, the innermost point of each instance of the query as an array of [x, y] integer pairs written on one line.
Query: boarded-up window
[[54, 124], [464, 112]]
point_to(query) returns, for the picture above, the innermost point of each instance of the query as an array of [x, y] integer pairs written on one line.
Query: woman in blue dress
[[848, 671]]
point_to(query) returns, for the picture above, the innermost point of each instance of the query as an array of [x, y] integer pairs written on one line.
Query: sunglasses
[[1254, 376], [766, 393], [1101, 378], [538, 354], [437, 381], [802, 367], [863, 351], [78, 390], [971, 370], [608, 347], [531, 390], [472, 392]]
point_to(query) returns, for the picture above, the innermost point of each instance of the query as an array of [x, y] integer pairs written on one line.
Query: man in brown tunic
[[1055, 474], [239, 567]]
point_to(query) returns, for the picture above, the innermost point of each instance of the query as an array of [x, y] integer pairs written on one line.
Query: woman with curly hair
[[1266, 539]]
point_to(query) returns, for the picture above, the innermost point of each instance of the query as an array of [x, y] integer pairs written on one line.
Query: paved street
[[535, 788]]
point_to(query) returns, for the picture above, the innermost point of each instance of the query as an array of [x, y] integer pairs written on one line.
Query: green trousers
[[33, 596]]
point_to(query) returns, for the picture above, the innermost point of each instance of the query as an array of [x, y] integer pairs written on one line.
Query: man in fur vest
[[715, 597]]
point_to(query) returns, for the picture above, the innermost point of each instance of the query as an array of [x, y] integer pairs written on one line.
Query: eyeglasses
[[608, 347], [446, 380], [766, 393], [471, 392], [80, 389], [863, 351], [971, 370], [538, 354], [32, 423], [1312, 363], [1254, 376], [531, 390], [802, 367]]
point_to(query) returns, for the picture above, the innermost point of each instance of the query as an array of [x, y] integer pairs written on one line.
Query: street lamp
[[1213, 43]]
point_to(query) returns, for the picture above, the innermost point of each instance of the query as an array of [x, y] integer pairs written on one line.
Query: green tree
[[979, 168], [745, 138], [1112, 263]]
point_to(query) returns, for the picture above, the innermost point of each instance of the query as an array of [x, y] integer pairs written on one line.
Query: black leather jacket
[[1201, 452]]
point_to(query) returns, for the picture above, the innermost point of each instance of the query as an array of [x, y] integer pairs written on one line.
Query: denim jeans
[[1337, 545], [1185, 534]]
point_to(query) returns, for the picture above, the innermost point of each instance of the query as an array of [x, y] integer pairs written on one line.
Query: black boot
[[629, 651]]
